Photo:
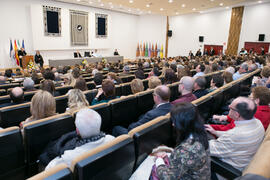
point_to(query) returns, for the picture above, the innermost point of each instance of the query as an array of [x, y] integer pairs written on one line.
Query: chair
[[61, 103], [90, 95], [3, 92], [59, 172], [145, 101], [174, 91], [145, 83], [126, 89], [118, 90], [204, 105], [63, 90], [150, 135], [105, 112], [217, 100], [4, 99], [38, 134], [28, 95], [14, 115], [91, 85], [12, 164], [7, 86], [113, 160], [123, 111]]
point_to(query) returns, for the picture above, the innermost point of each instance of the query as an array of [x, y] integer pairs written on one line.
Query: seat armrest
[[224, 169]]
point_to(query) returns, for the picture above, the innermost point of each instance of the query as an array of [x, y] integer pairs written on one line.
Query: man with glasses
[[161, 96], [238, 145]]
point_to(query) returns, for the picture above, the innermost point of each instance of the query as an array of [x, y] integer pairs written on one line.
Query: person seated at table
[[77, 54], [116, 53], [105, 93]]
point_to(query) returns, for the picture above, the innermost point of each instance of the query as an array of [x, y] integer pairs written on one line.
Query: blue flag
[[23, 44], [11, 49]]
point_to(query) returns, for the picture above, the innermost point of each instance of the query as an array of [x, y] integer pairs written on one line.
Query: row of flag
[[13, 52], [148, 50]]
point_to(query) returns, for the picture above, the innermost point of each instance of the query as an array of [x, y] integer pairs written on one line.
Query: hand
[[161, 154], [268, 81], [100, 91], [210, 129], [220, 118]]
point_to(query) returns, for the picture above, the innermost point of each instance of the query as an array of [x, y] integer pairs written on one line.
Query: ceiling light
[[129, 10], [170, 1], [183, 5], [138, 9], [78, 0], [149, 12], [90, 2], [221, 4], [194, 9], [99, 0], [259, 1], [110, 3], [161, 9], [227, 7], [101, 4], [120, 5], [130, 1], [177, 13], [212, 0], [148, 5], [112, 7]]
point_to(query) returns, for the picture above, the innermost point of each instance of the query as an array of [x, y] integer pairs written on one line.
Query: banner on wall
[[79, 27]]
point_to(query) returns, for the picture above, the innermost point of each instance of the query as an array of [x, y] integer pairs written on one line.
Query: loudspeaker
[[261, 37], [201, 38], [169, 33]]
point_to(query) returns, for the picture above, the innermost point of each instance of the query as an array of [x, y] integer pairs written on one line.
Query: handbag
[[153, 175]]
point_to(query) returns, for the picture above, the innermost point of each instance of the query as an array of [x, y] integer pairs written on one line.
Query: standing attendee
[[205, 52], [21, 53], [262, 51], [199, 53], [95, 54], [212, 52], [116, 52], [39, 59]]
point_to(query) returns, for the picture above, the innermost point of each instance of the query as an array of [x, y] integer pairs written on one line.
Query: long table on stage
[[73, 61]]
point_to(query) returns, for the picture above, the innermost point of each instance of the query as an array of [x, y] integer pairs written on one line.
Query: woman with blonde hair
[[153, 82], [76, 100], [42, 106], [136, 86]]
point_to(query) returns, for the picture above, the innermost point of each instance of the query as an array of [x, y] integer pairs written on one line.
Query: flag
[[23, 44], [152, 51], [149, 50], [138, 51], [18, 44], [161, 51], [16, 53], [146, 50], [11, 49], [156, 51], [143, 51]]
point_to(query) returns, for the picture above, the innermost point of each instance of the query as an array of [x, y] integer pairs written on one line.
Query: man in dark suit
[[21, 53], [212, 51], [161, 96]]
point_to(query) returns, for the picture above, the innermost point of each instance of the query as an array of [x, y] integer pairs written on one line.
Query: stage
[[73, 61]]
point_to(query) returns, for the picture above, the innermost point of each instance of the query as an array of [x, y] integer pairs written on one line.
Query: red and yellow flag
[[16, 53], [152, 51], [138, 51], [143, 51], [155, 55]]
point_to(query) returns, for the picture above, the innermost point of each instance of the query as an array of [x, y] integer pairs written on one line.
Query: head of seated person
[[112, 76], [199, 83], [76, 100], [108, 89], [161, 94], [136, 86], [42, 106], [217, 82], [126, 69], [227, 76], [17, 95], [28, 84], [98, 79], [8, 73], [48, 85], [67, 78], [81, 84], [243, 68], [18, 72], [153, 82], [76, 73], [265, 73], [170, 76], [48, 74], [139, 74], [2, 80], [186, 85], [87, 136], [155, 71]]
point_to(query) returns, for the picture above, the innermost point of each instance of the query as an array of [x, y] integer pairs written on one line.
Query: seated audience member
[[200, 70], [185, 89], [49, 86], [105, 93], [16, 96], [139, 73], [81, 84], [3, 80], [238, 145], [153, 82], [170, 77], [199, 87], [182, 71], [42, 105], [230, 70], [28, 84], [76, 100], [154, 72], [227, 77], [136, 86], [190, 158], [9, 73], [68, 79], [252, 67], [75, 74], [86, 137], [112, 76], [48, 75], [98, 79], [125, 72], [265, 74], [217, 81], [35, 77], [261, 96], [18, 72], [161, 96], [242, 71]]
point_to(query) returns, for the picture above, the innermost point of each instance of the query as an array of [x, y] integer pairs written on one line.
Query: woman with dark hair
[[48, 85], [170, 76], [81, 84], [106, 93], [190, 158]]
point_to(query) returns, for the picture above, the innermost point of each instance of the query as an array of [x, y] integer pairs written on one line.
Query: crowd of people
[[235, 143]]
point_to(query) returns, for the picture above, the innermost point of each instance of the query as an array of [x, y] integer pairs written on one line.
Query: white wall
[[187, 29], [255, 22]]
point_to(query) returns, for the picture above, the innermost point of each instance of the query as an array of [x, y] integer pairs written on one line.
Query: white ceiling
[[164, 7]]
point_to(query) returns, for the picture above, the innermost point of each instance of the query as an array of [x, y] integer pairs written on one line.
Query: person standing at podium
[[21, 53], [39, 59]]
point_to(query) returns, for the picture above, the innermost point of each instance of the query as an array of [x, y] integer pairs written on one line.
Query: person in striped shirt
[[238, 145]]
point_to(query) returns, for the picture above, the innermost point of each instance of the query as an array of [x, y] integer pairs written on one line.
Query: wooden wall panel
[[235, 30]]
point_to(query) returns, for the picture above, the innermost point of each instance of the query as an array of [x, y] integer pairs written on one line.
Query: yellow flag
[[161, 51]]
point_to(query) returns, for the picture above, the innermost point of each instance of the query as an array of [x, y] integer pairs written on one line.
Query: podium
[[26, 59]]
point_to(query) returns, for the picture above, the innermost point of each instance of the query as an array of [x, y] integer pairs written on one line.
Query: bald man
[[16, 96], [238, 145], [185, 89], [161, 96]]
